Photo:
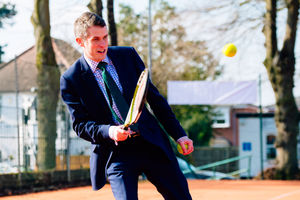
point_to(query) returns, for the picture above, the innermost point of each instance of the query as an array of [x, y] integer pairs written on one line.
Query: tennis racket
[[138, 100]]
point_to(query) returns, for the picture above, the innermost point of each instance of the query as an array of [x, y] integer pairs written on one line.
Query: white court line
[[285, 195]]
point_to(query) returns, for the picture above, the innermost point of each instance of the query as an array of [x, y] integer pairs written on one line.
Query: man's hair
[[86, 20]]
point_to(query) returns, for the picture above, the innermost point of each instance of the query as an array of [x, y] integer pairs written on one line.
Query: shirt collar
[[93, 64]]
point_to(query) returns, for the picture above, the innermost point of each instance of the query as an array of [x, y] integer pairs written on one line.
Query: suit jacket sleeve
[[85, 128], [161, 108], [164, 114]]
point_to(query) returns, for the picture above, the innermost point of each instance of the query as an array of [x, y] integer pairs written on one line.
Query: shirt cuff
[[111, 131]]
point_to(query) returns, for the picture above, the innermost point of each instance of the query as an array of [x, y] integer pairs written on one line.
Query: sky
[[246, 65], [19, 35]]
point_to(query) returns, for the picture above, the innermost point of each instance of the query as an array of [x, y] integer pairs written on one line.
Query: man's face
[[96, 44]]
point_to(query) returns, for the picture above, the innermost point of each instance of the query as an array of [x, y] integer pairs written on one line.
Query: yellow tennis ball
[[229, 50], [180, 149]]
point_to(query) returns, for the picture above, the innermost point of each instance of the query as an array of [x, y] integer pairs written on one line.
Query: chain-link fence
[[19, 141], [19, 138]]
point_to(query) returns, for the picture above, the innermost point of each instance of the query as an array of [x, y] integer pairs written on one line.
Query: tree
[[197, 121], [280, 65], [111, 23], [96, 6], [48, 86], [174, 58], [6, 11]]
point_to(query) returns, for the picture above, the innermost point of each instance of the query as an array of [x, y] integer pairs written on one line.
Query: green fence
[[213, 166]]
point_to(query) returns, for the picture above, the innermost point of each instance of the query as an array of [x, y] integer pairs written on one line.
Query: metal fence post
[[249, 167], [17, 117], [261, 131], [68, 145]]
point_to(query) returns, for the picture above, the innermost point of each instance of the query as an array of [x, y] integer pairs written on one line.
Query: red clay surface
[[200, 190]]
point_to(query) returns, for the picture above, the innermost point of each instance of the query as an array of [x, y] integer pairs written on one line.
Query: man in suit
[[117, 154]]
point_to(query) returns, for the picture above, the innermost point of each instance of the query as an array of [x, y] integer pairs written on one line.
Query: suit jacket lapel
[[122, 73], [91, 84]]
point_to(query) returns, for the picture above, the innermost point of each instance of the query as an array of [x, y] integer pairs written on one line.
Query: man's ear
[[80, 42]]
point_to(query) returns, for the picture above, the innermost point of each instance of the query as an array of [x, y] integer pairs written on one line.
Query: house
[[225, 127], [240, 126], [18, 121]]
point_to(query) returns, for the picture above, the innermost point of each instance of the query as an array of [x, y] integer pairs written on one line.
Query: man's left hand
[[186, 145]]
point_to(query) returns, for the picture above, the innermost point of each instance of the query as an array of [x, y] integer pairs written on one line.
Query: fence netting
[[19, 141]]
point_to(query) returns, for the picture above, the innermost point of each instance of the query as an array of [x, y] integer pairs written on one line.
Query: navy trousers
[[135, 156]]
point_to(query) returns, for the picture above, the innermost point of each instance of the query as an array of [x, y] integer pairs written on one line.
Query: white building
[[250, 138], [18, 121]]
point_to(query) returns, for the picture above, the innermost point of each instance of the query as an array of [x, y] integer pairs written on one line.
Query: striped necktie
[[114, 93]]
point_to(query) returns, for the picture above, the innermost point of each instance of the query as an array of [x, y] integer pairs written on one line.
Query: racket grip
[[126, 127]]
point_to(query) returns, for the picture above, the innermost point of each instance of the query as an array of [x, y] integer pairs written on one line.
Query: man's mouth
[[103, 51]]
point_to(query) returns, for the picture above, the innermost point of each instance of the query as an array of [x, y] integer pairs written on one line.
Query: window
[[222, 119], [271, 150]]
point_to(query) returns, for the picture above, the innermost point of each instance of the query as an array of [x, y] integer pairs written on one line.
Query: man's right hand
[[118, 133]]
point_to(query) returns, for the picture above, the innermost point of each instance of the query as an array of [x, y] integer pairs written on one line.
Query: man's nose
[[102, 43]]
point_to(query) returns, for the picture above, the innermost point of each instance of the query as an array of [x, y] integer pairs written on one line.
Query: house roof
[[65, 55], [1, 65]]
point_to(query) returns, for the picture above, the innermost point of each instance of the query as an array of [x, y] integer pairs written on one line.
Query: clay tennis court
[[200, 190]]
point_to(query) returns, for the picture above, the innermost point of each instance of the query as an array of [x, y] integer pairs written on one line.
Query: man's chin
[[97, 58], [100, 56]]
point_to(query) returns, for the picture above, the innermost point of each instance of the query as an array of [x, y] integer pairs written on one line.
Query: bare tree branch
[[291, 26]]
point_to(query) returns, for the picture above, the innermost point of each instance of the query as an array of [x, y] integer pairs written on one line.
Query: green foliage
[[174, 58], [132, 29], [197, 122], [6, 11], [199, 129]]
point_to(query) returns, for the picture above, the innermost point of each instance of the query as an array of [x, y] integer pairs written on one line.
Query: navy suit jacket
[[92, 117]]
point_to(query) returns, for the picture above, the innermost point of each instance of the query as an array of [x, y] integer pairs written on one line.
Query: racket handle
[[126, 128]]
